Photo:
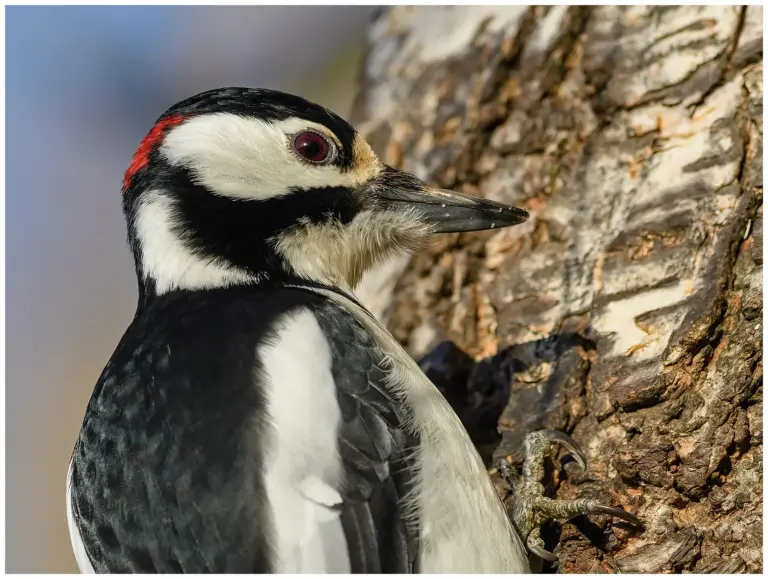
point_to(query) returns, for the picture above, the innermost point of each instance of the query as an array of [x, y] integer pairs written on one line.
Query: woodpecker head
[[239, 185]]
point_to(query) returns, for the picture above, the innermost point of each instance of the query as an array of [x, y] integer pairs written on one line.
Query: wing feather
[[376, 451]]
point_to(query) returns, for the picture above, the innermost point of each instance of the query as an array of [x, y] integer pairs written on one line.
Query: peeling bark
[[628, 310]]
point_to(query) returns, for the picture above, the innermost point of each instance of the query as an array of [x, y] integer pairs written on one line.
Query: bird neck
[[187, 238]]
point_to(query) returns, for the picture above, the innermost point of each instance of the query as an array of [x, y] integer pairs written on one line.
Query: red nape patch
[[148, 144]]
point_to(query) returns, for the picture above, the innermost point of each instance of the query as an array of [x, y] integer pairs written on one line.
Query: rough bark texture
[[628, 311]]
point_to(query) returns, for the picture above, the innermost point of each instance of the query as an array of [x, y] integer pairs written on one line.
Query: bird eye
[[312, 147]]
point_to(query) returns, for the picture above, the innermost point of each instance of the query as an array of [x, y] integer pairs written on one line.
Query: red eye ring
[[313, 147]]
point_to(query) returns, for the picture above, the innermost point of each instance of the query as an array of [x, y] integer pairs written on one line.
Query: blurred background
[[83, 86]]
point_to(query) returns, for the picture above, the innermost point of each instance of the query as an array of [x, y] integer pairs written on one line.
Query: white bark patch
[[688, 141], [430, 34], [444, 33], [619, 319], [673, 45], [547, 31]]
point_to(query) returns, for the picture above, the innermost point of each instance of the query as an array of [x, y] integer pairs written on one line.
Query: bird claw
[[536, 546], [530, 508], [618, 513], [561, 438]]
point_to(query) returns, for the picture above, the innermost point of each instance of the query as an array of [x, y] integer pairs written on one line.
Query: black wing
[[376, 450]]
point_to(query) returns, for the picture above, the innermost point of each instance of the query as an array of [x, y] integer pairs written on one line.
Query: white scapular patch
[[166, 259], [246, 157], [81, 557], [464, 526], [303, 466]]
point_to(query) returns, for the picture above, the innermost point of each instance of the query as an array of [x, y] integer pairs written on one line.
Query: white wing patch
[[81, 557], [303, 466]]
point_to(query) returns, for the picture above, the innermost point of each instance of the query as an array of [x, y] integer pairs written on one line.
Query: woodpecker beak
[[445, 211]]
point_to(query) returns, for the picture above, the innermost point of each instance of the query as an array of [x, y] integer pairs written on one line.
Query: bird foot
[[530, 508]]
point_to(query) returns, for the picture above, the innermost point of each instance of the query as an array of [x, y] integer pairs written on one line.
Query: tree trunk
[[628, 310]]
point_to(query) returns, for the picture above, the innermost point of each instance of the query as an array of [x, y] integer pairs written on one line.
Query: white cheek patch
[[245, 157], [167, 260]]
